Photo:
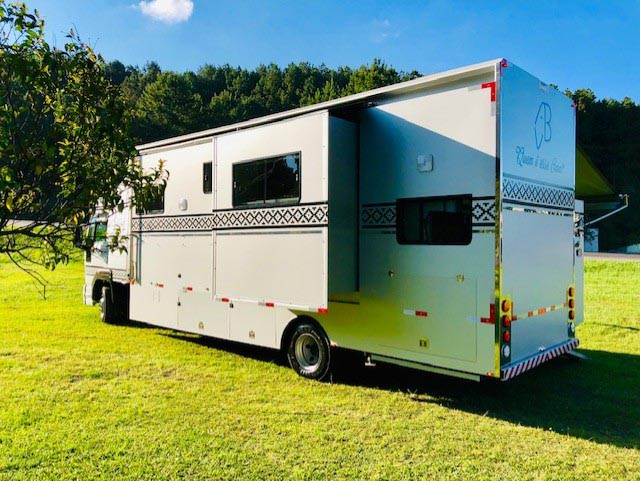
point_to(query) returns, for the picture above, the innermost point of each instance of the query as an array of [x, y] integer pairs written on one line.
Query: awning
[[600, 198], [589, 180]]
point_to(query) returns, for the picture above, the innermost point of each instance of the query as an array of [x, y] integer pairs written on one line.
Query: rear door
[[537, 178]]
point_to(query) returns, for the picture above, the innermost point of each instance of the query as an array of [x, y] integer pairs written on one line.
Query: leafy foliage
[[609, 132], [64, 139]]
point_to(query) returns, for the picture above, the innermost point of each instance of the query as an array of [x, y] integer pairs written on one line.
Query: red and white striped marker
[[411, 312], [539, 312], [529, 363]]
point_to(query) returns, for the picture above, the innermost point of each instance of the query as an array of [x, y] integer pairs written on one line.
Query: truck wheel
[[308, 352], [107, 307]]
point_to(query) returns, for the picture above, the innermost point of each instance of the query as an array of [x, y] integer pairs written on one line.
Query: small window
[[207, 181], [100, 231], [274, 180], [434, 220], [155, 203]]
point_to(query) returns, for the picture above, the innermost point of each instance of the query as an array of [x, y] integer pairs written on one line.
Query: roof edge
[[408, 86]]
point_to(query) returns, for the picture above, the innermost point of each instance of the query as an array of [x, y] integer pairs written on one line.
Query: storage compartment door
[[537, 154]]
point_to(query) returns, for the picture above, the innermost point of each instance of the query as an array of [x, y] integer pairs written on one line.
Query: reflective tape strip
[[485, 320], [539, 312], [492, 86], [412, 312], [509, 372]]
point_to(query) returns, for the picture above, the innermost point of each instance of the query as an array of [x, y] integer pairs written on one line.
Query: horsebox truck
[[431, 224]]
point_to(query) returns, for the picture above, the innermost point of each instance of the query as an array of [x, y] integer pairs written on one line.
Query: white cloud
[[169, 11], [383, 30]]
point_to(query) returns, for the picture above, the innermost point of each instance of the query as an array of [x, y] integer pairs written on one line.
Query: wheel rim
[[102, 304], [308, 352]]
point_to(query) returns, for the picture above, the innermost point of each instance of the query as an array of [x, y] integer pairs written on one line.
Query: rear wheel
[[308, 352], [107, 307]]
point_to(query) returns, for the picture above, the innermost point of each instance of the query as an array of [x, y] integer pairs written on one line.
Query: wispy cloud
[[383, 30], [168, 11]]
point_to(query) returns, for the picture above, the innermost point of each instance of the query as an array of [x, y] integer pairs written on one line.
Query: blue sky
[[572, 43]]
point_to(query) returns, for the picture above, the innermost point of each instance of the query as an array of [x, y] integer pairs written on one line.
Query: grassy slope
[[84, 400]]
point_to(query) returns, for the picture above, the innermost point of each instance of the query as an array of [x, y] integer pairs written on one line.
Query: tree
[[64, 144], [169, 107]]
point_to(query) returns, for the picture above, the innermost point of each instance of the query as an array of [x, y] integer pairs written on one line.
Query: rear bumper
[[515, 369]]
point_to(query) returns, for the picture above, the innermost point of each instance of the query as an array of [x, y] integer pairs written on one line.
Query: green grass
[[83, 400]]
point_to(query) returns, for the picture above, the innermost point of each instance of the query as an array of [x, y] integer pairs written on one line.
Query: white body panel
[[537, 156], [335, 254]]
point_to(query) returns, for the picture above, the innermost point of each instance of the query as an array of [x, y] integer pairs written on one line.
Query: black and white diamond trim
[[116, 274], [310, 215], [519, 191], [483, 212], [378, 215]]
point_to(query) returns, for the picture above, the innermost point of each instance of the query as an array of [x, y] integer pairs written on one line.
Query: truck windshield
[[101, 231], [96, 231]]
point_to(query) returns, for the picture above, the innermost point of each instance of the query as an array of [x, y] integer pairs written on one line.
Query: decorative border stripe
[[376, 216], [302, 215], [525, 192], [483, 212], [513, 370], [116, 274]]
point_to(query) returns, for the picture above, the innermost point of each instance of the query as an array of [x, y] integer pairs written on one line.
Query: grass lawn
[[83, 400]]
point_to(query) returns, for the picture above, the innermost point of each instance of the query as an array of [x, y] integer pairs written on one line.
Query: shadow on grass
[[596, 399]]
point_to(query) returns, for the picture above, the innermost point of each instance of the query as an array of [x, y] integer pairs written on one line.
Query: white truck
[[431, 224]]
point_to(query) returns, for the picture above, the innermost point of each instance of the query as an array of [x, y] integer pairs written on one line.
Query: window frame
[[422, 200], [207, 184], [147, 211], [266, 203]]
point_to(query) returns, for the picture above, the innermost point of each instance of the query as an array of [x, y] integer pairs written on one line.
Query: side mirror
[[78, 239]]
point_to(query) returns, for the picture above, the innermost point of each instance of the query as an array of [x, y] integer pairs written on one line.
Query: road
[[612, 256]]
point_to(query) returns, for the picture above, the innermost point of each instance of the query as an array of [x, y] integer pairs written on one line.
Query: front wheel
[[107, 307], [308, 352]]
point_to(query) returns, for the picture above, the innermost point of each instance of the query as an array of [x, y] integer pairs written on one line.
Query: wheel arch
[[295, 322], [100, 279]]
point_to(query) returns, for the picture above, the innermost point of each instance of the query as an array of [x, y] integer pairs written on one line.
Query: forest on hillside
[[165, 103]]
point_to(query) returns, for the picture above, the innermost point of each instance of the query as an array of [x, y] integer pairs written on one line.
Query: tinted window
[[273, 180], [207, 181], [434, 220], [248, 183], [100, 231]]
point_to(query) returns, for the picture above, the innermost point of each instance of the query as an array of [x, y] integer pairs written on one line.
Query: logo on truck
[[542, 127]]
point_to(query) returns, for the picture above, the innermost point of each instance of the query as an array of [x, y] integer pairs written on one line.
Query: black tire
[[107, 306], [308, 352], [121, 299]]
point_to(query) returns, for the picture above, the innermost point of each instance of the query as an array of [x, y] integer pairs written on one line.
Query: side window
[[273, 180], [434, 220], [155, 204], [207, 181], [100, 231]]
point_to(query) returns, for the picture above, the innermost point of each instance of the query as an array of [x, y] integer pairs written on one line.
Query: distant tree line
[[165, 104], [609, 133]]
